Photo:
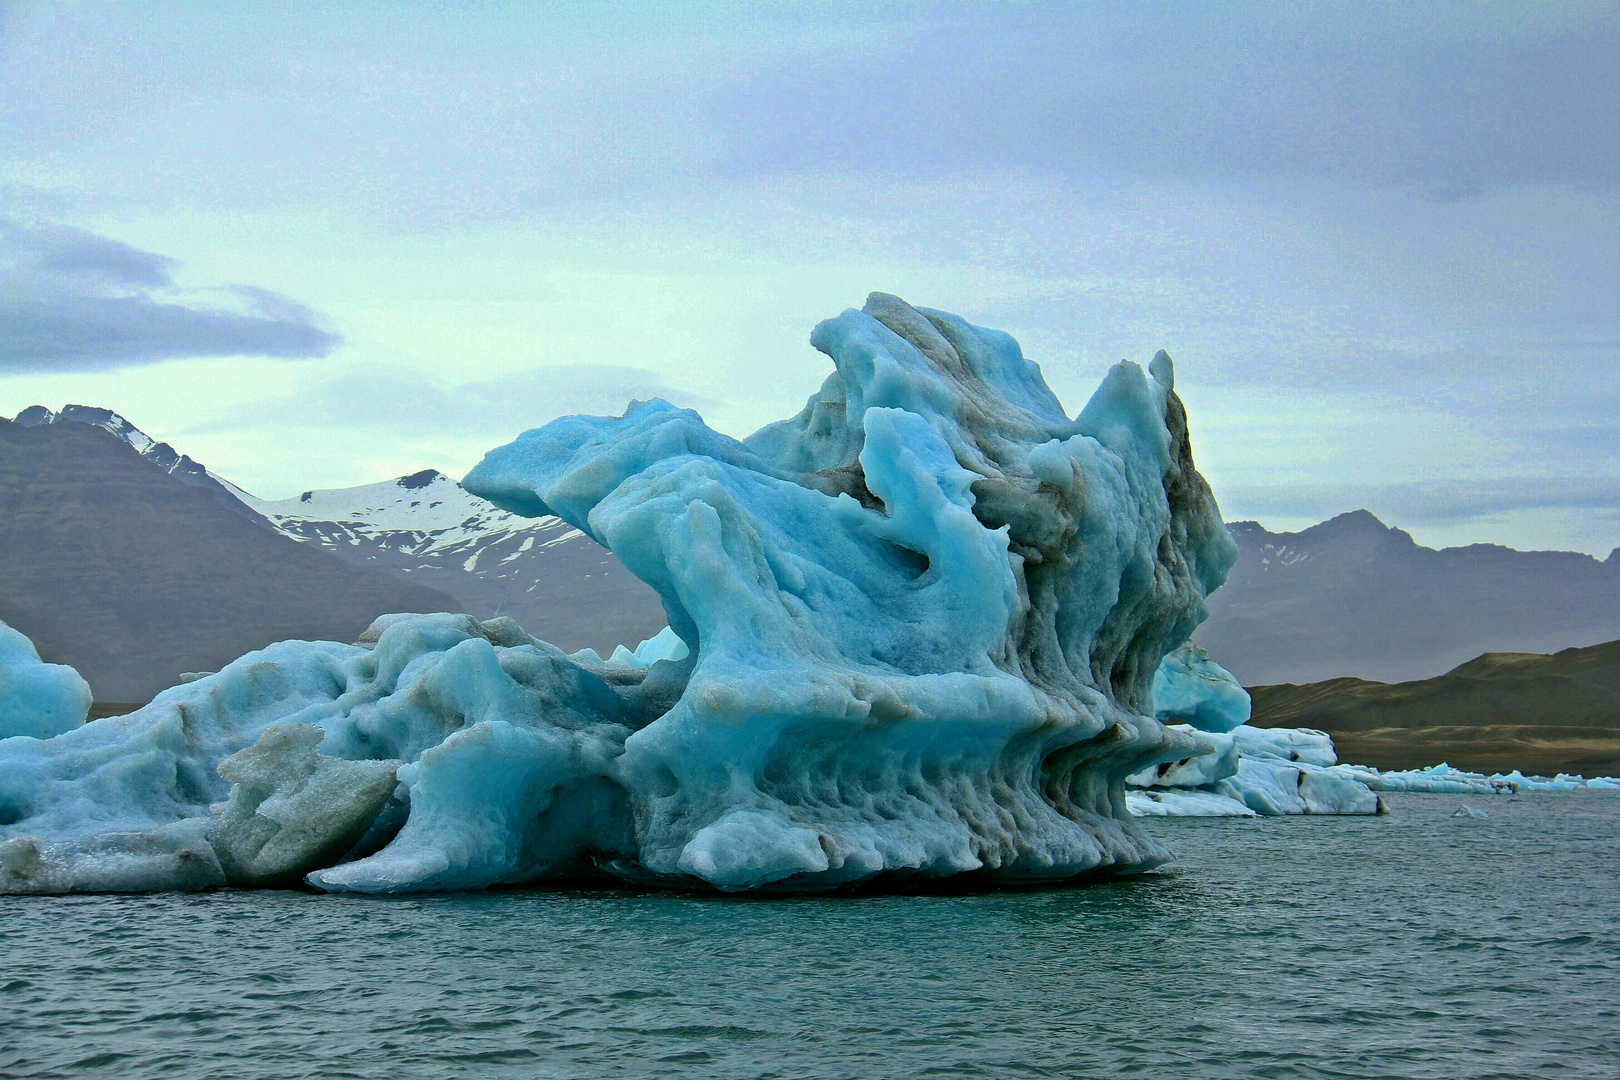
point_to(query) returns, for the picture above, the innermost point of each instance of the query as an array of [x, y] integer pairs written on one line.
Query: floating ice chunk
[[1270, 786], [37, 699], [1190, 688], [1287, 744], [1439, 779], [1268, 771], [665, 645], [1328, 792], [1604, 783], [1520, 782], [1466, 811], [171, 857], [1268, 783], [292, 810], [122, 803], [1182, 803], [1215, 765]]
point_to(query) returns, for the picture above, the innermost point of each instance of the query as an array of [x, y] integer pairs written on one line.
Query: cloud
[[1450, 102], [74, 301], [509, 111], [1425, 502], [409, 403]]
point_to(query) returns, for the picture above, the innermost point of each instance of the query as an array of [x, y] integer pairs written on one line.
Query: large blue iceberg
[[913, 633]]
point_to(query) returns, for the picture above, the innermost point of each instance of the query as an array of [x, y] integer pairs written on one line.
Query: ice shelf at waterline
[[918, 626], [1243, 771], [1265, 772]]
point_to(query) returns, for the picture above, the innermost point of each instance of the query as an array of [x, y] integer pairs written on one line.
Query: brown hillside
[[1557, 712]]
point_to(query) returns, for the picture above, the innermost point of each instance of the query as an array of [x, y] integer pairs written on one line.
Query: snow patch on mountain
[[425, 513], [425, 526]]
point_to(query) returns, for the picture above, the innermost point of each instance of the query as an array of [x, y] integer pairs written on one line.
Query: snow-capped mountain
[[132, 576], [554, 580], [425, 528], [160, 454]]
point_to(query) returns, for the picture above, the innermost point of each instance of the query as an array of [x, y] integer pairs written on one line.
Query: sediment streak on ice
[[917, 629]]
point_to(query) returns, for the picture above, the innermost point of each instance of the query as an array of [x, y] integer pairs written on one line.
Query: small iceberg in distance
[[37, 699], [1243, 771], [1466, 811], [914, 632]]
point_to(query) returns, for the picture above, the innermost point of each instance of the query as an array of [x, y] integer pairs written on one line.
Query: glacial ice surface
[[1190, 688], [913, 632], [37, 699], [1243, 771]]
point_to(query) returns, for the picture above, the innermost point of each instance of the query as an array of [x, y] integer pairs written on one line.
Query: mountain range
[[1348, 597], [1355, 597]]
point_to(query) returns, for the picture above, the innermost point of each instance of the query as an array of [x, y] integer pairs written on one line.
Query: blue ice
[[913, 631], [37, 699]]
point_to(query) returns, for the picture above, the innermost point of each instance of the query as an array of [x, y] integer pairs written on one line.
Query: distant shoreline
[[1546, 713]]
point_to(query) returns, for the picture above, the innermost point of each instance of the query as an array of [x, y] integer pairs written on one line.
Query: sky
[[315, 246]]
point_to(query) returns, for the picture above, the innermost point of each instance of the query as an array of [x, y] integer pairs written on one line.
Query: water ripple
[[1403, 946]]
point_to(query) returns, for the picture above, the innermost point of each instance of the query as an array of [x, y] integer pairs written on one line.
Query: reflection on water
[[1415, 945]]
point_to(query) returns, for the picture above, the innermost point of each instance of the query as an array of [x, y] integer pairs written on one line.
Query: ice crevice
[[913, 632]]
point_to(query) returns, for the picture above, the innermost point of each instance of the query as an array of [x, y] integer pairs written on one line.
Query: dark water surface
[[1414, 945]]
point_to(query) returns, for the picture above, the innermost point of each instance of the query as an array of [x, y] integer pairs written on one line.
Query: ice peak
[[1163, 370]]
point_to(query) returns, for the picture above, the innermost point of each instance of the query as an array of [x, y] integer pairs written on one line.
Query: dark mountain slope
[[160, 454], [133, 576], [1354, 597]]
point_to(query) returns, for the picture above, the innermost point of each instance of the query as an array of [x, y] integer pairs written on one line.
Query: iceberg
[[1269, 786], [1520, 782], [1216, 764], [1192, 689], [913, 632], [1305, 745], [1243, 771], [1173, 802], [37, 699], [1439, 779]]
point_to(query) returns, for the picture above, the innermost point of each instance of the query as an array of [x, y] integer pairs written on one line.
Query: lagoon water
[[1411, 945]]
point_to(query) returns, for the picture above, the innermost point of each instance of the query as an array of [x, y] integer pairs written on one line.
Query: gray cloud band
[[74, 301], [1431, 502]]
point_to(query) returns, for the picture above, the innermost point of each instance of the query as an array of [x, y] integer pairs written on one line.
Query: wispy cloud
[[1427, 502], [74, 301], [386, 399]]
